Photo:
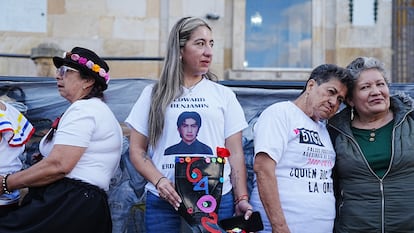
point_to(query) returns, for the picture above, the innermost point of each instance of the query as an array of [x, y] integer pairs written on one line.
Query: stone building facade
[[139, 28]]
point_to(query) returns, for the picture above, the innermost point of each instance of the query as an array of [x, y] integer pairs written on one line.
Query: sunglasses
[[61, 71]]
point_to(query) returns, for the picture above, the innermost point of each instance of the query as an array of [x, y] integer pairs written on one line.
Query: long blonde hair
[[169, 86]]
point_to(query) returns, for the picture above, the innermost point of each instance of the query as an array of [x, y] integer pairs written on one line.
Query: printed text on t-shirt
[[188, 102]]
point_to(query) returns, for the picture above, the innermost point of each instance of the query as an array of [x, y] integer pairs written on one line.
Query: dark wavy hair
[[97, 89], [326, 72]]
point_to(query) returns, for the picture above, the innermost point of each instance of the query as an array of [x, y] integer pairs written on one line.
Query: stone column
[[42, 57]]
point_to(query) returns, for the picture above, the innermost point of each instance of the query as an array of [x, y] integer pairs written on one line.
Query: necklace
[[194, 85], [372, 135]]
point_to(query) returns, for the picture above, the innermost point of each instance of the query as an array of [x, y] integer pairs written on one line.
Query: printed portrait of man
[[188, 125]]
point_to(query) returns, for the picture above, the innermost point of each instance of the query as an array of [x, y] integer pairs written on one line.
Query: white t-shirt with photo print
[[221, 116]]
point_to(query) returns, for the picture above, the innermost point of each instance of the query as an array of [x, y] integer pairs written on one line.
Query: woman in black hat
[[67, 187]]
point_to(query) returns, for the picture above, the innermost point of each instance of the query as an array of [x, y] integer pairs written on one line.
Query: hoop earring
[[352, 114]]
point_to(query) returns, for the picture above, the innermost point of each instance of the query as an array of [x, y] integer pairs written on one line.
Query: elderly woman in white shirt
[[67, 187]]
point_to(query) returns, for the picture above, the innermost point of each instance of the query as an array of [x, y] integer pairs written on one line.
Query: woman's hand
[[167, 192], [244, 207]]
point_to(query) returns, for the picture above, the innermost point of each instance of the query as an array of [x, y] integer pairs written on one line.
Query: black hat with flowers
[[87, 62]]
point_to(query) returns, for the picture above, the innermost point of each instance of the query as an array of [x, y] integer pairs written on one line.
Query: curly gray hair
[[360, 64]]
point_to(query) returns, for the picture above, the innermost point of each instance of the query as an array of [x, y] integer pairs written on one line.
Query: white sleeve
[[235, 119], [76, 127], [271, 132], [138, 117]]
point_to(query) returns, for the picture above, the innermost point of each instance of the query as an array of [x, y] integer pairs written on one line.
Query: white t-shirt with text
[[221, 116], [305, 157]]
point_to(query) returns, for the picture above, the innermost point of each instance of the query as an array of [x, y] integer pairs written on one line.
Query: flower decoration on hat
[[89, 64]]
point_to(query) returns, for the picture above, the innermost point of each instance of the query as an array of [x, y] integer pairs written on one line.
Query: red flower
[[223, 152]]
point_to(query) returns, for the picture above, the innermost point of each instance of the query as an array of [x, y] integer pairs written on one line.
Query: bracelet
[[162, 177], [241, 198], [4, 185]]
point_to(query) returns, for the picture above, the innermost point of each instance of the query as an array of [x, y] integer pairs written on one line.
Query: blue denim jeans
[[160, 216], [122, 202], [126, 197]]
